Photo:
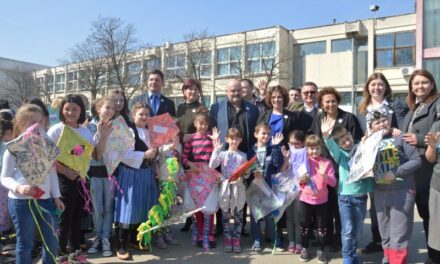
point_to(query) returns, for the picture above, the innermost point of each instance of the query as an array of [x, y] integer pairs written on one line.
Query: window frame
[[229, 62], [262, 58], [394, 48]]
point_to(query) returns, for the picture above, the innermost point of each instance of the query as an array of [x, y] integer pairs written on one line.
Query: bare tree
[[17, 86], [117, 43], [90, 63]]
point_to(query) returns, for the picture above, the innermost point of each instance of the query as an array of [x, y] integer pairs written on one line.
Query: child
[[394, 191], [313, 201], [352, 196], [102, 197], [269, 161], [21, 192], [296, 141], [199, 148], [72, 113], [170, 150], [5, 219], [232, 194], [135, 176]]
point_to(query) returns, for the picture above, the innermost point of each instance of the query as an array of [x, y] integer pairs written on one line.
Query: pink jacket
[[308, 195]]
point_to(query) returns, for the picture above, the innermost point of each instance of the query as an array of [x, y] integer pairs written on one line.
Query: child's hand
[[395, 132], [431, 139], [59, 204], [105, 128], [322, 170], [25, 189], [258, 174], [150, 154], [304, 178], [327, 125], [389, 176], [192, 166], [277, 139], [286, 153], [215, 137]]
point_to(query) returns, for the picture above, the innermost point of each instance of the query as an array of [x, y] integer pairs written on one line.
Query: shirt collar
[[310, 109], [371, 108], [157, 94]]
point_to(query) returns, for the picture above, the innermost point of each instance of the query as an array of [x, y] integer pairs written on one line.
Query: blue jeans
[[270, 227], [24, 223], [103, 206], [352, 210]]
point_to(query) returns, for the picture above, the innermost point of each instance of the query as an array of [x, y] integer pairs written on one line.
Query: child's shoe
[[236, 245], [228, 245], [298, 249], [106, 248], [94, 248], [291, 248], [304, 257], [257, 246], [320, 255]]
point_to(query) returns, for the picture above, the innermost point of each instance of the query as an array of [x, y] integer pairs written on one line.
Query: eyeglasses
[[309, 92]]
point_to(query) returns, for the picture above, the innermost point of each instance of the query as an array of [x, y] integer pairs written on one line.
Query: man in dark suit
[[158, 103]]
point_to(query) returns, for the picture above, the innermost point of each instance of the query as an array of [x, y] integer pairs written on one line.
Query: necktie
[[153, 104]]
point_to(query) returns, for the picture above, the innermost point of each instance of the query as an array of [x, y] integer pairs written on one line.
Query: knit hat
[[376, 114]]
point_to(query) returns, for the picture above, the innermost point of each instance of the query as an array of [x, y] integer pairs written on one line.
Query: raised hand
[[322, 170], [327, 125], [277, 139], [105, 128], [215, 137], [262, 85]]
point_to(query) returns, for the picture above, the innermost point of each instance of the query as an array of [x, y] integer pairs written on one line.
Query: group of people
[[267, 126]]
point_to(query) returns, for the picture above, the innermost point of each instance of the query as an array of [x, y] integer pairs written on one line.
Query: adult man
[[310, 107], [295, 95], [238, 113], [248, 90], [158, 103]]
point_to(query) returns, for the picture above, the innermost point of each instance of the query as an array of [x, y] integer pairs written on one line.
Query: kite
[[243, 169], [162, 129], [34, 154], [75, 150]]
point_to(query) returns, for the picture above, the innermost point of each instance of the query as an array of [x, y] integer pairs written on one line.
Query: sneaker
[[304, 257], [298, 249], [170, 240], [94, 248], [228, 245], [236, 245], [279, 246], [212, 244], [372, 247], [256, 246], [291, 248], [160, 242], [199, 243], [77, 258], [106, 248], [122, 253], [320, 256]]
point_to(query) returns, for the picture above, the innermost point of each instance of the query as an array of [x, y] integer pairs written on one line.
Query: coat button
[[417, 131]]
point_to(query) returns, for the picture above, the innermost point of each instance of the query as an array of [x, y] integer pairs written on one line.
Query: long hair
[[25, 114], [366, 96]]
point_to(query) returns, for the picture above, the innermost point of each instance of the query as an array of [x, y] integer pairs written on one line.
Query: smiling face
[[314, 151], [71, 113], [201, 125], [329, 104], [262, 136], [155, 83], [140, 117], [276, 99], [421, 87], [234, 92], [308, 94], [346, 142], [106, 111], [233, 142], [376, 89], [294, 96], [296, 144], [191, 93], [381, 123]]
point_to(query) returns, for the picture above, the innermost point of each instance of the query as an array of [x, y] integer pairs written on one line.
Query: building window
[[433, 66], [395, 49], [201, 62], [83, 82], [260, 57], [228, 61], [152, 64], [431, 22], [341, 45], [175, 66], [49, 83], [60, 80], [311, 48], [134, 73], [72, 81], [40, 83], [361, 46]]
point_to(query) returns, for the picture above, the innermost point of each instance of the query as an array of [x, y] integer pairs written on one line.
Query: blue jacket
[[272, 164]]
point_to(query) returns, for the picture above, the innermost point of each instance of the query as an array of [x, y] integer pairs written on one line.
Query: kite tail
[[114, 185], [86, 196]]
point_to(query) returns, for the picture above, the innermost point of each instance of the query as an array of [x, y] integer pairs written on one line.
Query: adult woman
[[377, 94], [279, 119], [328, 100], [422, 101], [186, 111]]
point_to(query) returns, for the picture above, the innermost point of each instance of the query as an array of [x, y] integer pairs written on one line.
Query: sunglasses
[[309, 92]]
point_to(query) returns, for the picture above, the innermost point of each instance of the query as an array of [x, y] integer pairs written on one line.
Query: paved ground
[[187, 253]]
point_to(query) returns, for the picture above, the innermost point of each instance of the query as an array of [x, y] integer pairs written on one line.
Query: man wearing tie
[[158, 103]]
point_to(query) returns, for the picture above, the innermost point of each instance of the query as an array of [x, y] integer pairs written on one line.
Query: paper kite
[[118, 143], [34, 154], [242, 169], [300, 166], [75, 150], [162, 129], [261, 199]]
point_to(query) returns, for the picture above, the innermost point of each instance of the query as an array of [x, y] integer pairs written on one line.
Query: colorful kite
[[261, 199], [34, 154], [247, 166], [76, 151], [300, 166], [118, 143], [162, 129]]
